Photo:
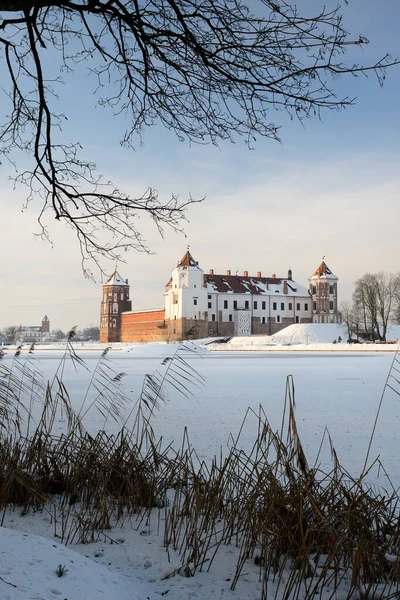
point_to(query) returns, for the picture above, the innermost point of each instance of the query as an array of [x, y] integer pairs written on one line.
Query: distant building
[[198, 305], [37, 334]]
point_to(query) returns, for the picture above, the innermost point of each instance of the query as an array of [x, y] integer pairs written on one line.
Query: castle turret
[[115, 301], [186, 300], [323, 290]]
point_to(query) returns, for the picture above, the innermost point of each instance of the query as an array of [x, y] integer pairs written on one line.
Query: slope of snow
[[28, 571], [308, 336], [310, 333]]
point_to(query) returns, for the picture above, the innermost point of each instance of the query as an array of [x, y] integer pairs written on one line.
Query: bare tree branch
[[209, 71]]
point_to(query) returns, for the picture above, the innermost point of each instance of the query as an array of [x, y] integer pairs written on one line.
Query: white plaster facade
[[270, 303]]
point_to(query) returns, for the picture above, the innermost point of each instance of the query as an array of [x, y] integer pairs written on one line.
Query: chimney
[[245, 274], [258, 273], [228, 272], [290, 275], [211, 271], [285, 287], [127, 282], [274, 276]]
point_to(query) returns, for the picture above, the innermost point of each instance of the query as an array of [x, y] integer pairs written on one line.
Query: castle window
[[278, 319], [297, 319], [274, 306], [209, 296], [246, 304], [263, 321], [213, 317], [230, 317], [314, 289], [263, 305], [331, 291], [298, 306], [209, 304], [331, 305], [194, 285], [314, 306], [290, 306], [306, 305], [195, 301], [235, 304], [282, 306], [115, 297], [255, 304], [114, 322], [225, 303]]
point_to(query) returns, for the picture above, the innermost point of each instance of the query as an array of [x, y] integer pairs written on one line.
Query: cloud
[[290, 216]]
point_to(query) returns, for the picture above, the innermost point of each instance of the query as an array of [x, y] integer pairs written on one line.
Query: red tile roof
[[324, 271], [237, 284], [187, 260]]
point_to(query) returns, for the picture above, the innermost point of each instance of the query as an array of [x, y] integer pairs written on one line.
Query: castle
[[199, 305]]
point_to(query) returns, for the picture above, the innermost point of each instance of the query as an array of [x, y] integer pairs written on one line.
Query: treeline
[[375, 304], [10, 335]]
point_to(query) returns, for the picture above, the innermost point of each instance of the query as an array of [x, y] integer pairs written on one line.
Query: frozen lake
[[340, 391]]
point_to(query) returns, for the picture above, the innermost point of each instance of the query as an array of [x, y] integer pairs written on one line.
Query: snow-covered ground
[[308, 338], [35, 568], [337, 390]]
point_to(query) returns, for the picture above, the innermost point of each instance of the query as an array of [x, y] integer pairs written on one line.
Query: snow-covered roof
[[187, 260], [324, 272], [116, 279], [262, 286]]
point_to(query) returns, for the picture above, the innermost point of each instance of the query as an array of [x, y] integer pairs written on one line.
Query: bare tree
[[374, 295], [396, 310], [207, 70], [11, 334], [58, 335], [347, 313]]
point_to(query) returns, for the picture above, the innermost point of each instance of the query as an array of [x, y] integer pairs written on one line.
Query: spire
[[187, 260], [324, 271], [116, 279]]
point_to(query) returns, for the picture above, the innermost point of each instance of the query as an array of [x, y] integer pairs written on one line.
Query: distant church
[[198, 305], [38, 334]]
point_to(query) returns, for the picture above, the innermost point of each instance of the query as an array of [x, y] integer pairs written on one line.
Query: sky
[[330, 188]]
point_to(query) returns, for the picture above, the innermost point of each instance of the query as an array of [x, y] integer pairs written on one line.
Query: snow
[[337, 389], [116, 279], [308, 337], [28, 571]]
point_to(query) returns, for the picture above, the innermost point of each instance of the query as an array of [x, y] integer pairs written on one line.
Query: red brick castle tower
[[114, 302], [324, 293]]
